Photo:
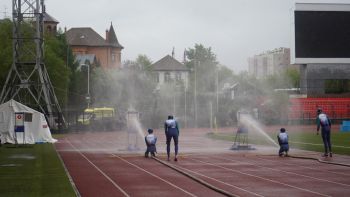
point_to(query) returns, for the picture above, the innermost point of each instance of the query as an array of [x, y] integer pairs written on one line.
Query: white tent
[[36, 129]]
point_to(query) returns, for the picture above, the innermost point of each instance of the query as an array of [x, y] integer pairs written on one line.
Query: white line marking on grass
[[313, 144], [97, 168], [138, 167], [259, 177], [288, 172]]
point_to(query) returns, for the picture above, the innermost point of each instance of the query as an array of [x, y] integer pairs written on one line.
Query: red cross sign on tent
[[19, 122]]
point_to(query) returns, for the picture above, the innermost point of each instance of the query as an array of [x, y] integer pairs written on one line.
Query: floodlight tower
[[28, 81]]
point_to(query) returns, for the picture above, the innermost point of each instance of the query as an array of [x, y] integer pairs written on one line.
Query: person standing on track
[[324, 122], [151, 141], [171, 129], [283, 142]]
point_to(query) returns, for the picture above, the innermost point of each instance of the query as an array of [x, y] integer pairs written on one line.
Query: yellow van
[[97, 118]]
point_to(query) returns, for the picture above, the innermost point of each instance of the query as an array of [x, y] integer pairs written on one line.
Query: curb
[[321, 161]]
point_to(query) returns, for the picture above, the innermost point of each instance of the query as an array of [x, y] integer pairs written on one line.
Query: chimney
[[65, 29], [107, 33]]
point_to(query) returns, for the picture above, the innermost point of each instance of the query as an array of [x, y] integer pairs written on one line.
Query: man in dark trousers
[[171, 129], [324, 122], [283, 142], [151, 141]]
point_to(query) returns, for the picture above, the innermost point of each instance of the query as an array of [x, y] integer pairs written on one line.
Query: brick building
[[85, 41]]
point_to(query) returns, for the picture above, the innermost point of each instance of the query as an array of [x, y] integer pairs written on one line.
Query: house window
[[113, 57], [49, 28], [157, 77], [178, 76], [167, 77]]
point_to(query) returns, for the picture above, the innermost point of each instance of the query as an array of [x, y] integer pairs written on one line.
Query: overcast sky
[[234, 29]]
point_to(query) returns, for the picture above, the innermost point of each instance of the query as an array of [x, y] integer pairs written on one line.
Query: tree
[[203, 62], [144, 62], [124, 89], [294, 77], [54, 49], [6, 49]]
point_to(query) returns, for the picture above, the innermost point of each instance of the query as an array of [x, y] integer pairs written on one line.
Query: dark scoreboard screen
[[322, 34]]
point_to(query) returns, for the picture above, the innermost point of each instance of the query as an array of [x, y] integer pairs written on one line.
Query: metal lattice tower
[[28, 81]]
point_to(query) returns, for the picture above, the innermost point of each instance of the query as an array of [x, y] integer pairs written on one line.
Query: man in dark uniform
[[283, 142], [324, 122], [171, 129], [151, 141]]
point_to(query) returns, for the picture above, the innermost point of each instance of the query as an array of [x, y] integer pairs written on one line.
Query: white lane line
[[98, 169], [138, 167], [259, 177], [310, 168], [211, 178], [283, 171]]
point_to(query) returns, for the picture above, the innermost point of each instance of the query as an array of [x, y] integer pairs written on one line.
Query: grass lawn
[[305, 140], [32, 170]]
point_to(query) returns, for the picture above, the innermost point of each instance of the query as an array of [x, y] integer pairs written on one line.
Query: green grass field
[[300, 140], [32, 170]]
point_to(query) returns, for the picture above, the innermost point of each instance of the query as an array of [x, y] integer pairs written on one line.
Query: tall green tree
[[144, 62], [6, 49], [54, 48], [203, 63]]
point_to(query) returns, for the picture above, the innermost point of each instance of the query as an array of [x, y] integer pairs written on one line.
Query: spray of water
[[138, 127], [256, 127]]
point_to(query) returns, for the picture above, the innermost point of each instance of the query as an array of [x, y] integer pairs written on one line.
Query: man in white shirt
[[283, 142], [151, 141]]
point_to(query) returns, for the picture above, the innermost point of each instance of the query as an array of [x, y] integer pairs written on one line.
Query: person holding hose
[[325, 124], [172, 131]]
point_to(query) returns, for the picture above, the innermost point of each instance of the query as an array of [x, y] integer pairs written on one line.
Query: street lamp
[[88, 99]]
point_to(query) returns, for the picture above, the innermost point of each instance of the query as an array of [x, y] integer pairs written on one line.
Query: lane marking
[[211, 178], [67, 172], [98, 169], [288, 172], [259, 177], [114, 155], [290, 164], [150, 173]]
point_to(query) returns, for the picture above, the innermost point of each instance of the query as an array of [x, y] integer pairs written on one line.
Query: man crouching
[[151, 141]]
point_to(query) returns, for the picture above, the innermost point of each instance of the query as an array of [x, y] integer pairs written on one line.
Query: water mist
[[254, 126]]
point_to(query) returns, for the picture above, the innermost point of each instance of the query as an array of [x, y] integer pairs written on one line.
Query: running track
[[97, 171]]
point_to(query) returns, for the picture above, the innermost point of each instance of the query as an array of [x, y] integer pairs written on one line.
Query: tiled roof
[[49, 18], [86, 36], [168, 63], [112, 38]]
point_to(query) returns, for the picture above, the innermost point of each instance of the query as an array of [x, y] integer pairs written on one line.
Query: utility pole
[[217, 89], [28, 80], [185, 106], [5, 12], [195, 94]]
